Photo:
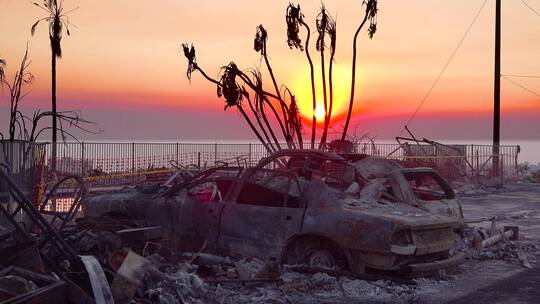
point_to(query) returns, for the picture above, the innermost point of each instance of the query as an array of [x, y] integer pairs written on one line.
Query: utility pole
[[497, 90]]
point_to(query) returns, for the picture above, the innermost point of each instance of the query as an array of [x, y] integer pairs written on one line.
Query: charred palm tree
[[331, 31], [321, 22], [233, 95], [56, 19], [226, 87], [294, 19], [371, 16], [259, 44]]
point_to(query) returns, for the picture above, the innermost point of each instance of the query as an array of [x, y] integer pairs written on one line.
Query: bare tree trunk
[[353, 79], [267, 123], [246, 117], [323, 71], [54, 126], [281, 102], [328, 115], [312, 74], [261, 125]]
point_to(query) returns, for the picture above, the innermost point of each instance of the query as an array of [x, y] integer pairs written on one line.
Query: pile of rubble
[[112, 258], [139, 269], [490, 244]]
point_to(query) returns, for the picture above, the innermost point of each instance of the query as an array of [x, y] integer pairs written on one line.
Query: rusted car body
[[305, 207]]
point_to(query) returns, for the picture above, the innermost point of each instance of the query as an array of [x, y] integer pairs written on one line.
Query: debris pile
[[117, 257], [483, 244]]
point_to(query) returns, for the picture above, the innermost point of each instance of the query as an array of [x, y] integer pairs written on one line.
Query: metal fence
[[110, 165], [462, 163], [24, 161]]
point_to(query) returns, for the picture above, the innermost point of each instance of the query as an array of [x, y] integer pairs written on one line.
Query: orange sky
[[124, 54]]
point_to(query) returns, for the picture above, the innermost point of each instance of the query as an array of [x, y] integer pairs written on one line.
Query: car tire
[[322, 258], [315, 252]]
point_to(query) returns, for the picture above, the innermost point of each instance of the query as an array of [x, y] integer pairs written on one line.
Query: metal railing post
[[177, 154], [132, 163], [249, 153], [82, 159], [215, 152]]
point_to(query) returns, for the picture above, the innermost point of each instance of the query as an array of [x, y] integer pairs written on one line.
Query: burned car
[[304, 207]]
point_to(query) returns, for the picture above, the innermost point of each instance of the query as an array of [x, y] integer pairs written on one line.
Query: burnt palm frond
[[371, 12], [72, 119], [191, 57], [293, 19], [57, 20], [331, 30], [321, 23], [295, 120], [3, 64], [259, 42], [258, 89], [55, 35], [326, 25], [228, 87], [294, 115]]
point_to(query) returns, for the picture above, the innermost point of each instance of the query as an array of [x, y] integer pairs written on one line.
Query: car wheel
[[322, 259]]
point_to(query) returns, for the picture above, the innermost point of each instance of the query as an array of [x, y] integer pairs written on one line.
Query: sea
[[530, 149]]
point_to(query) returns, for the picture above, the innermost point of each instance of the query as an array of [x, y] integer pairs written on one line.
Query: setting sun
[[302, 90], [320, 113]]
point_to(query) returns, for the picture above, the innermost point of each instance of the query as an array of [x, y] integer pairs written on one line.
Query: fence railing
[[106, 165]]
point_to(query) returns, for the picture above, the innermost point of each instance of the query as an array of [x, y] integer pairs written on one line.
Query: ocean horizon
[[530, 149]]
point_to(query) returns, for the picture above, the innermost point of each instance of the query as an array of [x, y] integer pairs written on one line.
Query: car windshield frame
[[445, 187]]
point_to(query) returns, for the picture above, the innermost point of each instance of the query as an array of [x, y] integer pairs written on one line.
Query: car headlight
[[402, 237]]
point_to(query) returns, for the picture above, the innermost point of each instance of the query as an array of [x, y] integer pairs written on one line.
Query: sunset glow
[[341, 80], [113, 61], [319, 113]]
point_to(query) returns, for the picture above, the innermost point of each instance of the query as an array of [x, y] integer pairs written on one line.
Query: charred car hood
[[401, 214]]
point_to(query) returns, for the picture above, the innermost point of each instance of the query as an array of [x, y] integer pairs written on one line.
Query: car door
[[260, 219], [200, 217]]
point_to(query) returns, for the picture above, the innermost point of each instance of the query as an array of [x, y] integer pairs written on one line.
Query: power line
[[521, 76], [522, 86], [531, 8], [445, 66]]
